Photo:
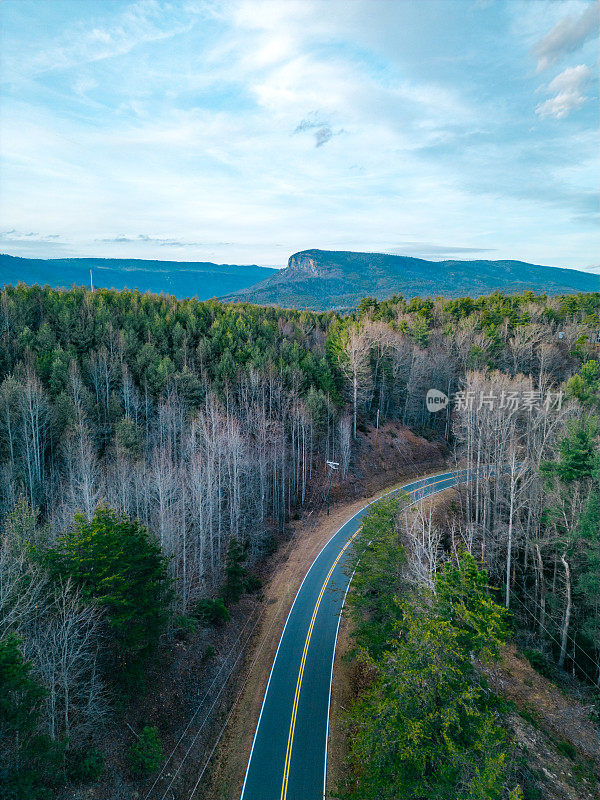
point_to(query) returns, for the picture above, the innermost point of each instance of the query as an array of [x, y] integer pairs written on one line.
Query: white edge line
[[400, 488], [337, 630], [391, 491]]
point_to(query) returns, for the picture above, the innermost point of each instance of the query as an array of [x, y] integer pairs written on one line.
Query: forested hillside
[[201, 279], [330, 279], [194, 430]]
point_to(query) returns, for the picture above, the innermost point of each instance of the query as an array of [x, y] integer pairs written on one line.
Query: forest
[[194, 431], [514, 555]]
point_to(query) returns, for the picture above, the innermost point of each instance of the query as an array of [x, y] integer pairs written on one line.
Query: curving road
[[289, 752]]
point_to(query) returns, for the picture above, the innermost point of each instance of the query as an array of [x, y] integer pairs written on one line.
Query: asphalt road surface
[[288, 760]]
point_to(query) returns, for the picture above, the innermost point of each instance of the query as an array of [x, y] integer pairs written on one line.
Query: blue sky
[[240, 132]]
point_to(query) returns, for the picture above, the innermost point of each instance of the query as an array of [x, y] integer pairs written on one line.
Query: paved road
[[289, 751]]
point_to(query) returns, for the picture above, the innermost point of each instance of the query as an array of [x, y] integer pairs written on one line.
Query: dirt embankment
[[381, 457], [552, 729]]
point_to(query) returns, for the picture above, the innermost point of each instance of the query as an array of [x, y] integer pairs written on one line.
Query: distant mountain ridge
[[321, 280], [201, 279], [335, 280]]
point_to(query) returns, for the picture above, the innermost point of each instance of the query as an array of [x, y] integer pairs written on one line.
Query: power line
[[219, 693], [569, 638], [289, 547], [254, 660], [205, 697], [232, 709], [318, 510]]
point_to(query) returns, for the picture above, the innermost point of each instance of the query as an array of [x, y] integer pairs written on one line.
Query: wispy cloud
[[82, 85], [20, 236], [32, 243], [567, 36], [322, 130], [571, 79], [427, 249], [138, 23], [567, 91], [159, 241], [323, 135]]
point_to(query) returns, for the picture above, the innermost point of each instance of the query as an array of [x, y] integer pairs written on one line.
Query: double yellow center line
[[288, 755], [290, 743]]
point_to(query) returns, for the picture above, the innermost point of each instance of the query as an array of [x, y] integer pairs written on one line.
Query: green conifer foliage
[[117, 565], [29, 760]]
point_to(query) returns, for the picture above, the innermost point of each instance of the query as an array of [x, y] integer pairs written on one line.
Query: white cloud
[[567, 36], [32, 236], [571, 79], [139, 23], [561, 105], [82, 85], [567, 88]]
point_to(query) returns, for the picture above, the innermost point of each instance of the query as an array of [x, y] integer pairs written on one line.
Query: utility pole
[[91, 282], [331, 465]]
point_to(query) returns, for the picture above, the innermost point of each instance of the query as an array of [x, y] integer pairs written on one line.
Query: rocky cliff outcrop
[[327, 279]]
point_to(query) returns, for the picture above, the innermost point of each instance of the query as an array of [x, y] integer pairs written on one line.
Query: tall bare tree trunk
[[540, 564], [354, 401], [511, 513], [567, 617]]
